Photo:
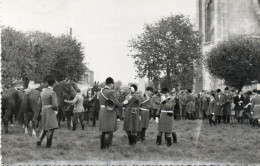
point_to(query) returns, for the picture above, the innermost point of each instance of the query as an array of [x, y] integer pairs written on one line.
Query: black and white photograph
[[130, 82]]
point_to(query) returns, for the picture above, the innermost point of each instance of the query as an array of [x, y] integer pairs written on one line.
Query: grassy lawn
[[198, 142]]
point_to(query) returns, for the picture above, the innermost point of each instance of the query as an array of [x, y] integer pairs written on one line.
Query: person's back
[[47, 97], [78, 106]]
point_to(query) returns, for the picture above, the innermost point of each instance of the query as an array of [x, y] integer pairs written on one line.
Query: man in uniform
[[166, 114], [108, 113], [146, 105], [49, 105], [228, 98]]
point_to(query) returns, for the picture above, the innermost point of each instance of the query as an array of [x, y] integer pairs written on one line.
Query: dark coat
[[166, 118], [220, 104], [212, 107], [239, 106], [228, 99], [107, 119], [132, 121], [190, 107], [146, 105], [48, 102]]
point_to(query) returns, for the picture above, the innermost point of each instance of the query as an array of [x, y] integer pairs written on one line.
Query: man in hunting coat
[[145, 107], [166, 115], [49, 105], [108, 114]]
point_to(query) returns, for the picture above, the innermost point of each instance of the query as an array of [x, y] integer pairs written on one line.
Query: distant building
[[219, 20], [88, 78]]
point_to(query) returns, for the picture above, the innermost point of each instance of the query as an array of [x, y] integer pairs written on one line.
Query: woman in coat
[[132, 122], [49, 105], [239, 101]]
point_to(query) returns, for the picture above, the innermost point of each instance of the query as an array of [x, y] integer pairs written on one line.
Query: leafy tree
[[33, 55], [17, 61], [236, 61], [69, 59], [168, 48]]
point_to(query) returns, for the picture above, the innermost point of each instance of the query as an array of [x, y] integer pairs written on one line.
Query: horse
[[11, 101], [30, 110], [65, 90], [91, 104]]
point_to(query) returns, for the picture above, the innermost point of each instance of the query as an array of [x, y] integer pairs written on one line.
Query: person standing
[[205, 99], [190, 107], [183, 103], [78, 109], [256, 108], [145, 107], [107, 115], [220, 103], [228, 99], [132, 121], [239, 106], [156, 103], [212, 109], [166, 115], [49, 105]]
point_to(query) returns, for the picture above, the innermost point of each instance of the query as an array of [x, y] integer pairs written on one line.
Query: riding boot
[[83, 126], [169, 141], [138, 136], [228, 119], [174, 137], [68, 123], [74, 127], [134, 139], [49, 138], [102, 141], [110, 138], [159, 140], [106, 142], [143, 134], [41, 136], [130, 139]]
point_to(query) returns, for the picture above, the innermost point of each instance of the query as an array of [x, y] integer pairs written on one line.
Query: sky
[[104, 27]]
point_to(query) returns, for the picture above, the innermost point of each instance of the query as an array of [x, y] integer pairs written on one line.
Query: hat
[[226, 88], [189, 91], [165, 90], [134, 86], [109, 80], [110, 105], [218, 90]]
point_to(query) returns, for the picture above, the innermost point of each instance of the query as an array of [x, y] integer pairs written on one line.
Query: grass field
[[198, 142]]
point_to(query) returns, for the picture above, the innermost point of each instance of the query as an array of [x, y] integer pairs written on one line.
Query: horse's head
[[95, 88]]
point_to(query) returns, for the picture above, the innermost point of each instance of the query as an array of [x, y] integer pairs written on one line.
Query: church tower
[[220, 20]]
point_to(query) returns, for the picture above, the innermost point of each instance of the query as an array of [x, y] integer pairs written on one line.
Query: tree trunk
[[168, 76], [25, 82]]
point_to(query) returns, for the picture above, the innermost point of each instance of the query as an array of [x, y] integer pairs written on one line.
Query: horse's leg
[[6, 119], [68, 116], [26, 126], [11, 120], [34, 122]]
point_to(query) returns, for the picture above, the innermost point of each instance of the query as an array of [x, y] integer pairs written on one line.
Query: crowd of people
[[137, 110]]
